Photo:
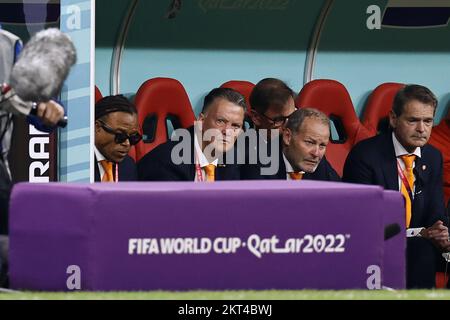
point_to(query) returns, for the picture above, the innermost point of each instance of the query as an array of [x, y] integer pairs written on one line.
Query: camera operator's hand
[[50, 112]]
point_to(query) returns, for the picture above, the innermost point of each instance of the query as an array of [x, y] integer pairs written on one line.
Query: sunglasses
[[121, 137]]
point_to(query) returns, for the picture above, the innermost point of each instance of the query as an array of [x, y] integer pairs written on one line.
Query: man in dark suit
[[116, 130], [402, 160], [203, 154], [273, 103], [303, 144]]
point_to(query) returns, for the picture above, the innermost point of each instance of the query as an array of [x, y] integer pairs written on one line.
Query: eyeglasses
[[121, 137], [278, 121]]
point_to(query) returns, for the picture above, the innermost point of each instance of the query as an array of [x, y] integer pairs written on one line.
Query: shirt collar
[[400, 150], [200, 157], [98, 155], [287, 164]]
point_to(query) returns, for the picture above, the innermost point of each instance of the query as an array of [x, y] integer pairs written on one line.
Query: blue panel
[[80, 36], [75, 149], [77, 112], [79, 76], [74, 155], [75, 142], [75, 167]]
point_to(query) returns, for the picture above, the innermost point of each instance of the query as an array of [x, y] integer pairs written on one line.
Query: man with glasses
[[116, 130], [273, 103]]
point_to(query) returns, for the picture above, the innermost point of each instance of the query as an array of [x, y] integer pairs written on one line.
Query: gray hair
[[296, 119]]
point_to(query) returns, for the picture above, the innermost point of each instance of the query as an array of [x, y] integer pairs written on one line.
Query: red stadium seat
[[244, 88], [333, 99], [440, 139], [159, 100], [376, 113], [98, 94], [241, 86]]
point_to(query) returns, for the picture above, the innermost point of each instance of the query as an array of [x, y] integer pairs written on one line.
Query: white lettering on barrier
[[226, 245], [38, 169], [374, 280], [258, 246], [74, 280]]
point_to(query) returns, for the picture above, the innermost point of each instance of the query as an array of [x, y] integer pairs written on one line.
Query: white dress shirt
[[400, 151], [289, 168], [99, 157]]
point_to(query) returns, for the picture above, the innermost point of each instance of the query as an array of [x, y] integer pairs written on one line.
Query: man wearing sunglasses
[[116, 131]]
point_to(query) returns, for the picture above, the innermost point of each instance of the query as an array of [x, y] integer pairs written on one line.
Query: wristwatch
[[414, 232]]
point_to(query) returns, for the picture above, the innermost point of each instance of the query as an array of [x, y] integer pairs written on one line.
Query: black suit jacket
[[323, 172], [127, 170], [373, 161], [157, 165]]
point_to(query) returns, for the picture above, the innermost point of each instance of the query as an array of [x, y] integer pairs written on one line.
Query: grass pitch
[[234, 295]]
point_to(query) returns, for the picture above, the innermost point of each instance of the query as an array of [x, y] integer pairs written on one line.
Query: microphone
[[40, 71], [391, 230]]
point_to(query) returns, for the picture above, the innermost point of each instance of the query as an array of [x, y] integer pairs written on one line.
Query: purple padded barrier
[[53, 226], [394, 268]]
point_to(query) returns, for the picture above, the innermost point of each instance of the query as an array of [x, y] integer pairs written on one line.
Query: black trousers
[[420, 263], [5, 190]]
